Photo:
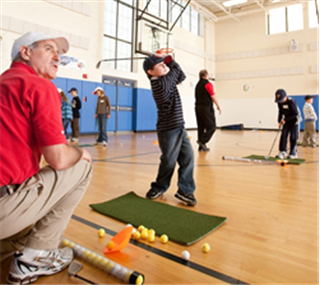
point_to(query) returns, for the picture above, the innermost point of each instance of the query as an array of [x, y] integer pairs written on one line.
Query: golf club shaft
[[274, 142], [84, 279]]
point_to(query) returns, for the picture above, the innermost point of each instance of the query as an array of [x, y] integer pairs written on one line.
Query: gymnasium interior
[[269, 211]]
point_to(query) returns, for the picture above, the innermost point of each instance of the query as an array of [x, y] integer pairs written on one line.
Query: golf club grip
[[84, 279]]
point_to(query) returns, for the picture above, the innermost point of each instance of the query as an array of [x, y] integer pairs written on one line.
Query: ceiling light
[[233, 2]]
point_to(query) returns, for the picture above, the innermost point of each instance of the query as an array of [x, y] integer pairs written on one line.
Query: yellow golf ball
[[85, 254], [103, 262], [151, 232], [144, 234], [151, 238], [136, 235], [97, 260], [64, 243], [164, 238], [91, 256], [108, 267], [110, 244], [141, 228], [101, 232], [205, 247]]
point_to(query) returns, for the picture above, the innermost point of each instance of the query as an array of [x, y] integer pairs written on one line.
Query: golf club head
[[74, 267], [98, 64]]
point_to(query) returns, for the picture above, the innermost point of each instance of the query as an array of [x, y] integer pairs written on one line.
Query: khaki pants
[[309, 134], [37, 214]]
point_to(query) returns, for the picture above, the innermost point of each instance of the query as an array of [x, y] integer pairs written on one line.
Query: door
[[120, 93]]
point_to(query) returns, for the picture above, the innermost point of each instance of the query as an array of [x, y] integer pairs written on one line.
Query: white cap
[[32, 37], [59, 90], [95, 90]]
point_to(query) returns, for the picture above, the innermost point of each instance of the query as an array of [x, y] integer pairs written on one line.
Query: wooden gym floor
[[271, 232]]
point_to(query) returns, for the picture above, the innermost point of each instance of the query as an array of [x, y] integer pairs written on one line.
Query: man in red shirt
[[36, 204], [205, 97]]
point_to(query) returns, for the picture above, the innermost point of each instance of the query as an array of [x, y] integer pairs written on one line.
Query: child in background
[[76, 106], [310, 118], [103, 112], [66, 111], [164, 75]]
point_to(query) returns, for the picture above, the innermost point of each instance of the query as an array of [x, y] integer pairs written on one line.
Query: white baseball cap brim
[[95, 90], [33, 37]]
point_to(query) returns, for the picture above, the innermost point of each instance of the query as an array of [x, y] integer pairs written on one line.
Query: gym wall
[[237, 54]]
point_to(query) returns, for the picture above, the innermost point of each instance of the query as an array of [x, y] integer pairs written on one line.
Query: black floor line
[[195, 266]]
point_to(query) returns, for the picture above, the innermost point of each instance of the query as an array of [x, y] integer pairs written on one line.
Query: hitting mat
[[180, 225], [290, 160]]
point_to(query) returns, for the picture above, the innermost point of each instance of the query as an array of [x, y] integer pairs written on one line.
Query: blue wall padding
[[145, 110]]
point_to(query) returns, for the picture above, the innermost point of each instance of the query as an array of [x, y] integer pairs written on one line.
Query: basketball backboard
[[153, 38]]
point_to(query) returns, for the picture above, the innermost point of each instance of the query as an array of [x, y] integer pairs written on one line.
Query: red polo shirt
[[30, 118]]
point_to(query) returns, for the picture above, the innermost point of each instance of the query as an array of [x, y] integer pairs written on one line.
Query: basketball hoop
[[165, 51]]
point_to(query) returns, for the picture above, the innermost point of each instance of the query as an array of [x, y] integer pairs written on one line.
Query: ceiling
[[214, 9]]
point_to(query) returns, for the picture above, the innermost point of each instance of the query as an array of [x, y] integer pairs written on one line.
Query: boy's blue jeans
[[292, 129], [175, 147], [102, 125]]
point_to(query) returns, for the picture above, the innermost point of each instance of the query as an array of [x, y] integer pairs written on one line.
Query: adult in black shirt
[[206, 120]]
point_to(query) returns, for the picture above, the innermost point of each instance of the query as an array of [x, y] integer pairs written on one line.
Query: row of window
[[119, 20], [288, 19]]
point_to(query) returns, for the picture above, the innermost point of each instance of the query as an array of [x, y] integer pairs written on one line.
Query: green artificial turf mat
[[180, 225], [291, 160], [83, 145], [300, 143]]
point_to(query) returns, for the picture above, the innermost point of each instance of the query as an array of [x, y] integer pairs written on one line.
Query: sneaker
[[282, 155], [186, 197], [293, 156], [97, 143], [75, 139], [104, 143], [48, 262], [202, 146], [203, 149], [154, 193]]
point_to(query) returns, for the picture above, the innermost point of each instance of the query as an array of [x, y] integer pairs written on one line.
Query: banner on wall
[[71, 63]]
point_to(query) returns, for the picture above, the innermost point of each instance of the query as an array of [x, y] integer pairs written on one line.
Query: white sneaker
[[292, 156], [104, 143], [47, 262], [97, 143], [282, 155], [75, 139]]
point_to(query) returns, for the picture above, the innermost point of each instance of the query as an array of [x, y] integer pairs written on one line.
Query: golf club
[[116, 59], [74, 268], [266, 157]]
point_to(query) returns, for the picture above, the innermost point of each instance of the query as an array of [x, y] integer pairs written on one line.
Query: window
[[191, 20], [194, 22], [295, 17], [125, 23], [313, 9], [117, 31], [277, 21], [186, 18], [175, 13], [285, 19]]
